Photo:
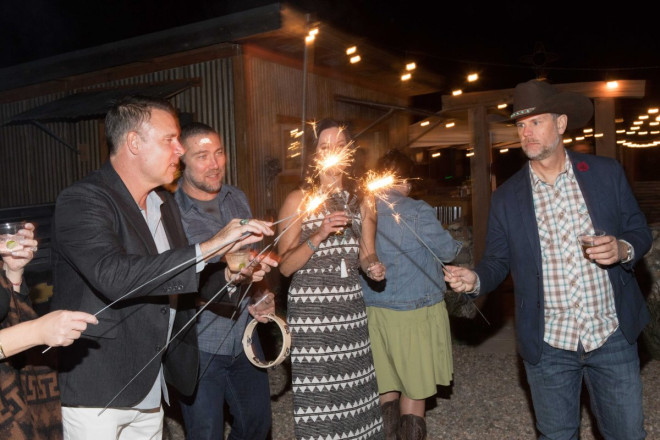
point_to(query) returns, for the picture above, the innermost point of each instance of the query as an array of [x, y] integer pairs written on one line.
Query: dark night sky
[[497, 39]]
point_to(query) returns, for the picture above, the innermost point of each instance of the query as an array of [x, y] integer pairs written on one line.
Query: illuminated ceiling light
[[643, 117], [622, 141], [653, 123], [424, 123], [457, 92], [351, 50], [634, 128], [579, 138], [588, 135], [642, 133], [470, 154], [638, 122], [436, 154], [657, 118], [598, 135], [314, 31], [504, 150], [355, 59], [406, 77], [653, 110], [568, 141], [411, 66], [618, 120], [501, 106], [309, 38], [588, 130], [621, 131], [612, 85], [633, 145], [473, 77], [450, 124], [630, 132], [654, 132]]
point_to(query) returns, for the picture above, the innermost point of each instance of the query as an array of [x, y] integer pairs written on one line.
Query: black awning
[[94, 104]]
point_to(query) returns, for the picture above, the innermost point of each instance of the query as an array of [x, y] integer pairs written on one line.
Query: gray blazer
[[103, 249]]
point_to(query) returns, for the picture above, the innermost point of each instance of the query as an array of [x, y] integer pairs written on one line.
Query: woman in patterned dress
[[334, 383]]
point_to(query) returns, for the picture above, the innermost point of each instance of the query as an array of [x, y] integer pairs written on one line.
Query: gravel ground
[[488, 400]]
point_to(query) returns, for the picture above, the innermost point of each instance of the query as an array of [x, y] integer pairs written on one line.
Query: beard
[[545, 151], [211, 188]]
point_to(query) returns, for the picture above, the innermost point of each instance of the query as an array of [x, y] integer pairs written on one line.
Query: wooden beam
[[481, 178], [604, 119], [595, 89]]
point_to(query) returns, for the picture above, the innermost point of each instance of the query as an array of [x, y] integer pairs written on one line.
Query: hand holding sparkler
[[263, 306], [460, 279], [251, 270], [237, 233]]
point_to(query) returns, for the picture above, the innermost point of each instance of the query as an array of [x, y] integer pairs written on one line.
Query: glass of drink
[[9, 241], [238, 260], [586, 239]]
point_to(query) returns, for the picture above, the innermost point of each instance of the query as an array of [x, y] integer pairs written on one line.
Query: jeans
[[242, 386], [612, 377]]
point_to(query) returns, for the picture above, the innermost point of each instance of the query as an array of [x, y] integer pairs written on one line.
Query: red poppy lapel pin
[[582, 166]]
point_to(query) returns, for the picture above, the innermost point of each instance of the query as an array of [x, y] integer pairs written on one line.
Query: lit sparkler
[[234, 277], [377, 185]]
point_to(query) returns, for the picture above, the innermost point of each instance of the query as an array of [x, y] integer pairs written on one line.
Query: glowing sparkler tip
[[380, 183]]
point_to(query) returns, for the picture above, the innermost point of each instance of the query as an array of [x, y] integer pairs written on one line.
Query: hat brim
[[578, 108]]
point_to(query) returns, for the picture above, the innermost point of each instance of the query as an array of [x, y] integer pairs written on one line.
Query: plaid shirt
[[578, 296]]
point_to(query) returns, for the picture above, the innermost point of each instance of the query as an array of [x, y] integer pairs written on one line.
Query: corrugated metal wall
[[274, 94], [36, 167]]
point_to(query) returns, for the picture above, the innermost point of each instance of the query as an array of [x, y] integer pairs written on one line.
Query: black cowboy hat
[[536, 97]]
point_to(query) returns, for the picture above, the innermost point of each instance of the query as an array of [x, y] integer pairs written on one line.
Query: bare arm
[[294, 254], [368, 259], [58, 328]]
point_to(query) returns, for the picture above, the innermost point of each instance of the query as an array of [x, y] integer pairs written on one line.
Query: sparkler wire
[[203, 307]]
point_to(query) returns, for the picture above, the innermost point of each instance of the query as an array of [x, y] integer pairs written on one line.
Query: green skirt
[[411, 349]]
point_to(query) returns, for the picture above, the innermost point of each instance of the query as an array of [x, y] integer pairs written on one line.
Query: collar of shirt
[[568, 172], [186, 203], [153, 216]]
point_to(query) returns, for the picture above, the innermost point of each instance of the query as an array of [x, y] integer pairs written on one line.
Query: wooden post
[[604, 119], [480, 174]]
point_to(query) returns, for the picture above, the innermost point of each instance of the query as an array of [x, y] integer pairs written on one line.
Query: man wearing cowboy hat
[[576, 317]]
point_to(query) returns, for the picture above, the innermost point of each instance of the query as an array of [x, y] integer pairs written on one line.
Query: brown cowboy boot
[[390, 412], [412, 427]]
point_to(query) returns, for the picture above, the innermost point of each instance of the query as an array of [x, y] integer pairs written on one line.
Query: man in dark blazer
[[577, 317], [120, 252]]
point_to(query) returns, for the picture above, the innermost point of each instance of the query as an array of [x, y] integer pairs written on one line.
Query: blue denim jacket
[[414, 278]]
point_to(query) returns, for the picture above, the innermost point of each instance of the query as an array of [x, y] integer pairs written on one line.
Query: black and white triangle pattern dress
[[335, 395]]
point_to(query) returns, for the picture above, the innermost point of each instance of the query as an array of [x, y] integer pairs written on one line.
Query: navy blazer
[[103, 249], [512, 244]]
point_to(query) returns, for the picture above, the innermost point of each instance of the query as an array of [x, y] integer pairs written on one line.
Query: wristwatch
[[629, 252]]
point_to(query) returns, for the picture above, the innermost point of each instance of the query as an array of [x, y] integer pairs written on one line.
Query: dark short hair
[[195, 129], [397, 162], [128, 114]]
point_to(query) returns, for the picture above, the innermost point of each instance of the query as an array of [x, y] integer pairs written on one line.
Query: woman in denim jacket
[[408, 320]]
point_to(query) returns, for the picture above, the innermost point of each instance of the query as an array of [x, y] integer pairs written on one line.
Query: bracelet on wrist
[[311, 245]]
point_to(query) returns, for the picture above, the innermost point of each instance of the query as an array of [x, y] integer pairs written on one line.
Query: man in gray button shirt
[[225, 375]]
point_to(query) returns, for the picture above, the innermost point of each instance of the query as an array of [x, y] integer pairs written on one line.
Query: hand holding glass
[[587, 239], [9, 240]]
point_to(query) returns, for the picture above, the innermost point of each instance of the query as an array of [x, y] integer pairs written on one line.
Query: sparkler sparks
[[376, 185]]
